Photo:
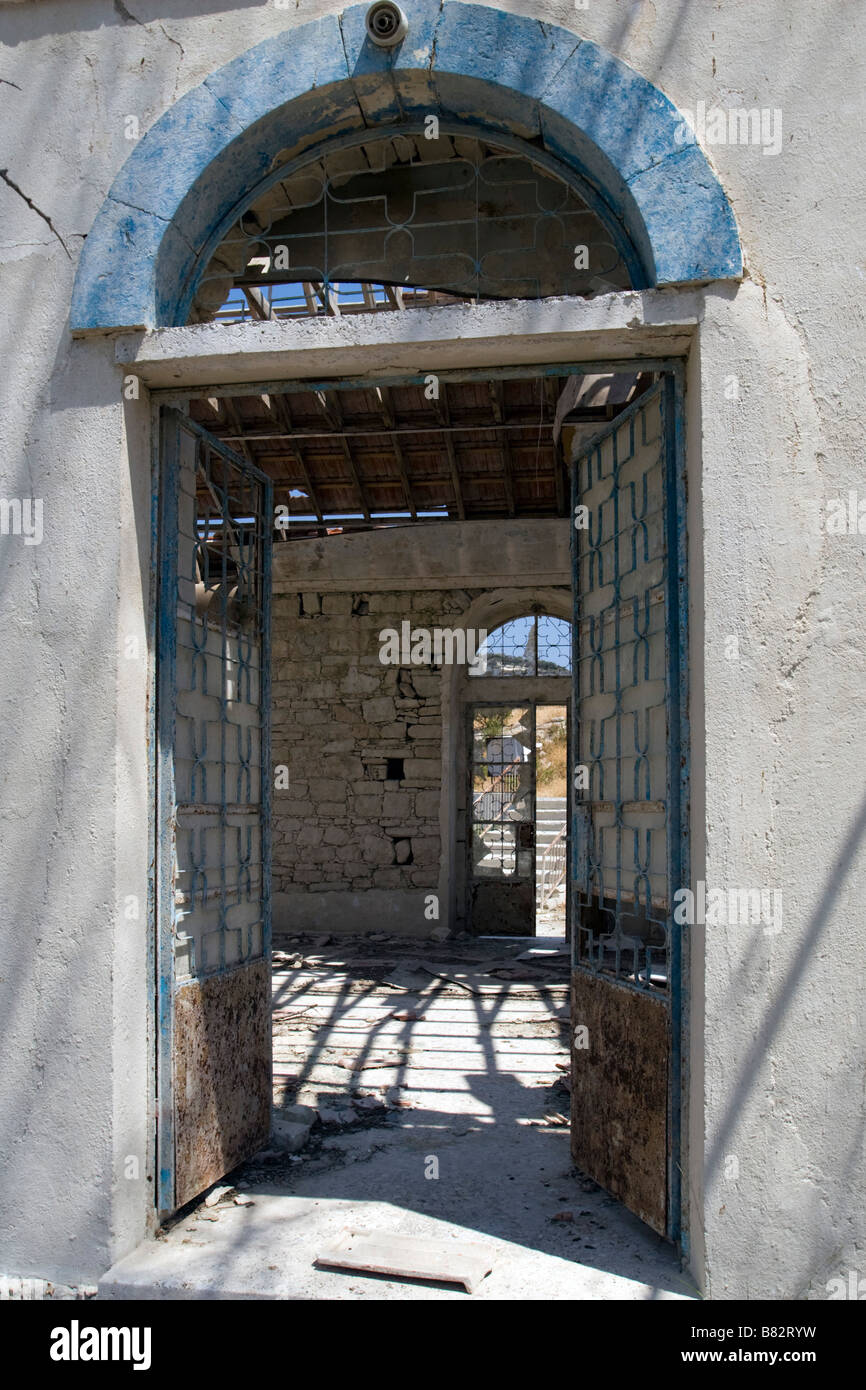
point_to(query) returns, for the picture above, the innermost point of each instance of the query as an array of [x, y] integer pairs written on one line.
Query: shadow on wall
[[816, 1264]]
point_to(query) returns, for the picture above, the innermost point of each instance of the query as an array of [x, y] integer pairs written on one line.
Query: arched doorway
[[161, 254]]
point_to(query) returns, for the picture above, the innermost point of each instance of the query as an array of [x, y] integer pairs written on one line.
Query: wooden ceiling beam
[[334, 416], [260, 307], [279, 407], [236, 423], [384, 396], [478, 427], [551, 390], [444, 413], [497, 401], [328, 300]]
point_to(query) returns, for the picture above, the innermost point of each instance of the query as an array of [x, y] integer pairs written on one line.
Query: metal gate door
[[502, 820], [213, 785], [630, 805]]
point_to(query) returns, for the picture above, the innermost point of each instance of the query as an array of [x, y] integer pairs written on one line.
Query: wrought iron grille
[[529, 646], [384, 221], [625, 830], [503, 794], [214, 691]]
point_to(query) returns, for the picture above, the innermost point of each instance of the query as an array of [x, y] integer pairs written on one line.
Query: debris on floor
[[414, 1109], [216, 1195], [410, 1257]]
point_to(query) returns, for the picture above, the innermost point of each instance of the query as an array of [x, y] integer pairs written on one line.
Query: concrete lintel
[[644, 323], [398, 583], [445, 554]]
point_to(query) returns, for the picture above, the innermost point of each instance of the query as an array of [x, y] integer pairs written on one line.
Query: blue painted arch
[[197, 166]]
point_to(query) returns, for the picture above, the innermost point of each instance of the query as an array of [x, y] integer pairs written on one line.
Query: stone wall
[[342, 722], [357, 847]]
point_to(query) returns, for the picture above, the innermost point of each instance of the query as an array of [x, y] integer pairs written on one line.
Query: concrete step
[[545, 833]]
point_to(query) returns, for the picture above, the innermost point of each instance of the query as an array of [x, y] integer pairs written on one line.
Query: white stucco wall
[[778, 735]]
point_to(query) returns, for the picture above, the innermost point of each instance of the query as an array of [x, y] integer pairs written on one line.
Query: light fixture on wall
[[387, 25]]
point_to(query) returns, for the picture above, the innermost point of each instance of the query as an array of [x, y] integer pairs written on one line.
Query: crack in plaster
[[4, 175], [136, 207], [546, 88], [343, 42], [231, 115], [674, 154], [350, 75], [148, 212], [129, 18], [176, 42]]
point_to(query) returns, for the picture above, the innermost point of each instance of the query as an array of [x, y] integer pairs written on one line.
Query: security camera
[[386, 24]]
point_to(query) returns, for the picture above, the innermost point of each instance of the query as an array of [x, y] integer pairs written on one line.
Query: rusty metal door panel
[[630, 777], [502, 909], [213, 799], [222, 1074], [619, 1094]]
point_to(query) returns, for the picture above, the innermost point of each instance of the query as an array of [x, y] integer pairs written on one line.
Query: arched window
[[397, 219], [536, 645]]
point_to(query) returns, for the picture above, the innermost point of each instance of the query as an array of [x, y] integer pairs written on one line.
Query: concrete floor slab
[[460, 1137]]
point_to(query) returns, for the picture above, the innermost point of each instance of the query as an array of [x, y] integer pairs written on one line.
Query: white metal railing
[[492, 804], [553, 866]]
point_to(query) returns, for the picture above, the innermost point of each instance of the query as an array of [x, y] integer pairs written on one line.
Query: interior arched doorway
[[172, 245]]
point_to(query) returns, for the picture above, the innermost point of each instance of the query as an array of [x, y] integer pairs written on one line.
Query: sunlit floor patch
[[441, 1113]]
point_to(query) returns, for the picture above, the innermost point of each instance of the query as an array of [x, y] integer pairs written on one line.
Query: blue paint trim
[[676, 697], [152, 744], [464, 63], [170, 427], [680, 736]]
